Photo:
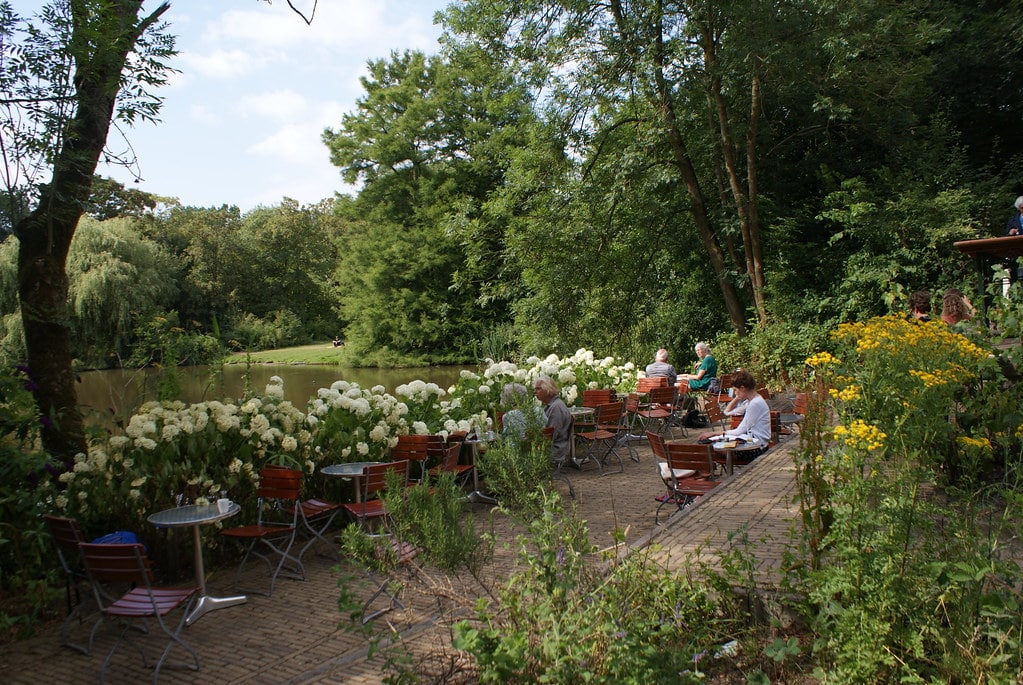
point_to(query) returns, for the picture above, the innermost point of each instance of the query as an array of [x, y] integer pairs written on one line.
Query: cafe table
[[732, 447], [192, 516], [352, 469]]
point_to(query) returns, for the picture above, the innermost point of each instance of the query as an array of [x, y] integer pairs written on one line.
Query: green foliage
[[23, 545], [903, 585], [560, 620], [774, 353], [431, 517], [518, 473]]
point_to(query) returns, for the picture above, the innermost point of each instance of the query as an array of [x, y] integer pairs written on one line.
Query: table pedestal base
[[206, 604], [477, 496]]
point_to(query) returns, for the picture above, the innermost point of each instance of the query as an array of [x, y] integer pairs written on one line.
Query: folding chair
[[66, 536], [128, 564], [370, 514], [370, 508], [316, 517], [277, 522], [416, 450], [658, 409], [601, 441], [448, 455], [686, 472]]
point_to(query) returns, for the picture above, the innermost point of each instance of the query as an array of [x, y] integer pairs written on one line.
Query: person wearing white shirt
[[756, 420]]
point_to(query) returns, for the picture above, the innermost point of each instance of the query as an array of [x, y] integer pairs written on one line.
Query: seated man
[[706, 368], [661, 368], [756, 420], [558, 417]]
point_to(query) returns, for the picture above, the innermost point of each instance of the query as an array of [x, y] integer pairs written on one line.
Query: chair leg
[[318, 533]]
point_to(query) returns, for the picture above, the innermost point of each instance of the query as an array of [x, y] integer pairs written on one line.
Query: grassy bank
[[316, 353]]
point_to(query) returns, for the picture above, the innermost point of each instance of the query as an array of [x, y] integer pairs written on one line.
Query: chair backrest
[[799, 404], [449, 457], [374, 477], [610, 413], [715, 415], [119, 563], [725, 381], [278, 482], [595, 398], [413, 447], [647, 384], [663, 395], [657, 444], [699, 458], [632, 403], [765, 393], [66, 537]]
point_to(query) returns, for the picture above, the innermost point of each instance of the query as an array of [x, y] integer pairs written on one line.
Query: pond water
[[118, 392]]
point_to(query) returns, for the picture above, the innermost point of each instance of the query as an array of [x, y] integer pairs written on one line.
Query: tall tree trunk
[[697, 206], [45, 234]]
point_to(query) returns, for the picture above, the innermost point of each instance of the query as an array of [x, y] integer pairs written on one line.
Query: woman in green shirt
[[706, 369]]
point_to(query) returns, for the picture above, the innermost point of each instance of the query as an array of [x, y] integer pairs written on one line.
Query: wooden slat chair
[[128, 565], [370, 510], [795, 417], [316, 518], [66, 536], [596, 397], [601, 440], [447, 455], [716, 418], [371, 514], [659, 409], [416, 450], [684, 469], [273, 535]]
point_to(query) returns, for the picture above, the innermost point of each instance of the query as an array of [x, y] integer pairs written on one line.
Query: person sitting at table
[[516, 422], [955, 308], [756, 421], [706, 368], [920, 306], [660, 368], [558, 417]]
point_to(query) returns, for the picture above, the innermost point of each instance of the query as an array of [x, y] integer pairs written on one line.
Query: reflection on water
[[116, 393]]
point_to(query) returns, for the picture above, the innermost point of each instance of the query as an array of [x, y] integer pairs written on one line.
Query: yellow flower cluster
[[901, 337], [860, 435], [979, 443], [822, 359], [847, 394]]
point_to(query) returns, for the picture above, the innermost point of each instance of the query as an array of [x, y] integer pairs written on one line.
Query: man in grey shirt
[[661, 367]]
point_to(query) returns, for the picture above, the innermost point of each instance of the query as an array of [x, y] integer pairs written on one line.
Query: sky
[[241, 123]]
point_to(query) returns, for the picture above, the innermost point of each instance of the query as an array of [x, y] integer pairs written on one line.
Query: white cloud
[[279, 104], [201, 114], [221, 64]]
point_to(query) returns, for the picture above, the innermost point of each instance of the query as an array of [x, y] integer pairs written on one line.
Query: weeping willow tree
[[117, 278]]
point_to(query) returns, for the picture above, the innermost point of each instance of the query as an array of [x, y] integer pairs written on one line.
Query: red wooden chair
[[66, 536], [371, 508], [273, 534], [128, 565], [686, 472], [416, 450], [601, 439]]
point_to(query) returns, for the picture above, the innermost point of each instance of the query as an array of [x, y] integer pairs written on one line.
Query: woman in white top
[[756, 421]]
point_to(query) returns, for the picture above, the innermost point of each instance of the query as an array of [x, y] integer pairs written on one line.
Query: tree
[[429, 142], [721, 92], [66, 77]]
